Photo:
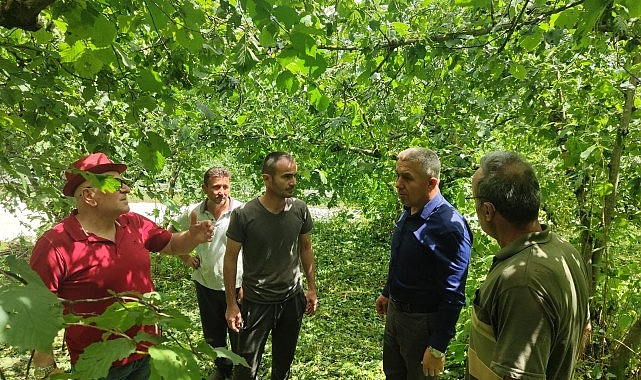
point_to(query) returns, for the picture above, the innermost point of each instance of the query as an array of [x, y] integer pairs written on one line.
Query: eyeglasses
[[469, 198]]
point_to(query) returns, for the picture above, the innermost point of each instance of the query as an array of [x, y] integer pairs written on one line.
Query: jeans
[[283, 320], [404, 343]]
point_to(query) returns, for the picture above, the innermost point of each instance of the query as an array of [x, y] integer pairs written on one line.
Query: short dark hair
[[216, 171], [509, 183], [269, 164]]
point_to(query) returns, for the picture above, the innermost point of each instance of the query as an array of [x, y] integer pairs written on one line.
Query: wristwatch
[[436, 353], [43, 372]]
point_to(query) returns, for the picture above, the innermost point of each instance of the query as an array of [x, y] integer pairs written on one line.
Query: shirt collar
[[203, 206], [523, 242], [75, 230], [429, 207]]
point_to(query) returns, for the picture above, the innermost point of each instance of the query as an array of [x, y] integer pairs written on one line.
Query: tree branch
[[22, 14]]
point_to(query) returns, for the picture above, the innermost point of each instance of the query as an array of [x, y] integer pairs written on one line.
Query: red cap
[[96, 163]]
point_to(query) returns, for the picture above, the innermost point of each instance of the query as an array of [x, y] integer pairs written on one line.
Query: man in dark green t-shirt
[[530, 316], [273, 231]]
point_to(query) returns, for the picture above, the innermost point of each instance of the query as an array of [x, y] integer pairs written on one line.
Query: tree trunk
[[22, 14], [623, 352]]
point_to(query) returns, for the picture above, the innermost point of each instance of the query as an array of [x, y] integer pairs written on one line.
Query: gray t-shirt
[[271, 257]]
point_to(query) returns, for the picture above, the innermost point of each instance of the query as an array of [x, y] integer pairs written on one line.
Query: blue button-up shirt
[[428, 264]]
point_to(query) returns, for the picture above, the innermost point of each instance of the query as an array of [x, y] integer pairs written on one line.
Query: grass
[[343, 340]]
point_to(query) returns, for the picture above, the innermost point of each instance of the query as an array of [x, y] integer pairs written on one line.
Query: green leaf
[[43, 36], [159, 11], [146, 102], [307, 21], [604, 189], [173, 363], [374, 25], [402, 29], [24, 271], [96, 359], [634, 7], [189, 39], [319, 100], [120, 316], [566, 19], [517, 70], [152, 152], [104, 32], [245, 54], [588, 152], [71, 53], [143, 337], [592, 11], [150, 81], [357, 117], [235, 358], [12, 122], [193, 17], [304, 44], [103, 182], [286, 15], [30, 315], [88, 65], [266, 37], [175, 319], [152, 160], [287, 82], [530, 41]]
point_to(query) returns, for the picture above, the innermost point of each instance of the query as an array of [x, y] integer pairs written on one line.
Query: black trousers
[[404, 342], [212, 307], [283, 321]]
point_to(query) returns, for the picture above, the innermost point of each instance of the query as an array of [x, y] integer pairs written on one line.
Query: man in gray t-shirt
[[273, 231]]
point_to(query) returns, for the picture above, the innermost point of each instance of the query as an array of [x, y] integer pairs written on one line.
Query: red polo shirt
[[78, 266]]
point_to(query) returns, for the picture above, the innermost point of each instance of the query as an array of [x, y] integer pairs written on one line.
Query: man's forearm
[[307, 261], [230, 267], [229, 278], [182, 243]]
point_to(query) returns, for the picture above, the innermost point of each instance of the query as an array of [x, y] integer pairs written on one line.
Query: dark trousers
[[212, 307], [137, 370], [404, 344], [283, 320]]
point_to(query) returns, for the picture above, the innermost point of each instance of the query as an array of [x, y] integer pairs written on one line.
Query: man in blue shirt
[[425, 289]]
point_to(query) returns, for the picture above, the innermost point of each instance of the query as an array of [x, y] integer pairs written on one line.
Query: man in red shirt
[[102, 249]]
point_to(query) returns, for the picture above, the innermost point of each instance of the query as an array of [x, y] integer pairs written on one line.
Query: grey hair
[[509, 183], [428, 160]]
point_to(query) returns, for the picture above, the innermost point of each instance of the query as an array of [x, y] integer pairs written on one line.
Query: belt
[[407, 307]]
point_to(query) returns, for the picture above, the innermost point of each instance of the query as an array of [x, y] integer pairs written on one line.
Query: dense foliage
[[172, 87]]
